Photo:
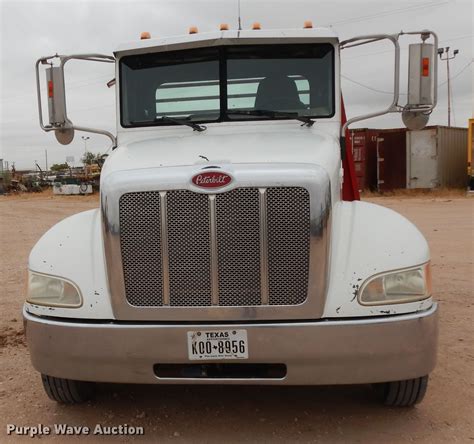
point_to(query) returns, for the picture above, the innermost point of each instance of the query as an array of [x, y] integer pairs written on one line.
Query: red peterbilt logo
[[211, 179]]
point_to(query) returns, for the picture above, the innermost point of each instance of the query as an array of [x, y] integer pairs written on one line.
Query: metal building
[[436, 157]]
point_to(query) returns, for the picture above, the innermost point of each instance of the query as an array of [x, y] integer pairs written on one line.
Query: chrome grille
[[288, 245], [189, 248], [140, 243], [238, 247], [246, 247]]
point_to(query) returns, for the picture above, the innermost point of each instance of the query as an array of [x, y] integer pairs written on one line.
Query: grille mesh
[[140, 242], [189, 248], [288, 245], [238, 247], [238, 239]]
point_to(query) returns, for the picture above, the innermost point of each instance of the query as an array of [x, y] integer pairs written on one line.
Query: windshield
[[251, 82]]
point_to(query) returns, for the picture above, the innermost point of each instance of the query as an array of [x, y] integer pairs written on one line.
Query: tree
[[59, 167], [90, 158]]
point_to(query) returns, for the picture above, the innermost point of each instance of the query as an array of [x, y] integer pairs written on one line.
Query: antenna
[[240, 22]]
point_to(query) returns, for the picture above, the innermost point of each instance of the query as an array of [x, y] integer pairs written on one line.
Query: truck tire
[[402, 393], [67, 391]]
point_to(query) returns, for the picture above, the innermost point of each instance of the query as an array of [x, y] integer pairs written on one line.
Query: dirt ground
[[253, 414]]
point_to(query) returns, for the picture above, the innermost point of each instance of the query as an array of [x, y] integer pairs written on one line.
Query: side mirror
[[58, 120], [64, 130], [421, 85], [422, 79]]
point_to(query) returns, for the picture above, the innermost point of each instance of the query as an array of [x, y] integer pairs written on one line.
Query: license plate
[[217, 344]]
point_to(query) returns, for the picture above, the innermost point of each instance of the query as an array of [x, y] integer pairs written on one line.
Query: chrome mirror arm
[[63, 59], [363, 40], [394, 106]]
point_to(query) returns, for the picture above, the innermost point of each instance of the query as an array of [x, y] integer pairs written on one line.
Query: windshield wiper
[[185, 121], [307, 121]]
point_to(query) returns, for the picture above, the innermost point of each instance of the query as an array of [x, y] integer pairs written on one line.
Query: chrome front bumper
[[352, 351]]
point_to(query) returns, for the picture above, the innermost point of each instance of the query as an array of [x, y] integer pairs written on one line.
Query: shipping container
[[391, 159], [364, 152], [436, 157]]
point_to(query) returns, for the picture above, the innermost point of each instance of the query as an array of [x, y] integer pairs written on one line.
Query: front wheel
[[67, 391], [402, 393]]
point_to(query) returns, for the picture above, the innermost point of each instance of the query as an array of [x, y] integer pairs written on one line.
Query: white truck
[[227, 247]]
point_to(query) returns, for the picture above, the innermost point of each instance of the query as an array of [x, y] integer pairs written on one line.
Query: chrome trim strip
[[264, 289], [164, 249], [214, 251]]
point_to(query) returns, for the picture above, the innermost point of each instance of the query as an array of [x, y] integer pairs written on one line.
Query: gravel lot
[[253, 414]]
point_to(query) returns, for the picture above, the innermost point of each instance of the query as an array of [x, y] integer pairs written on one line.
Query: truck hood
[[234, 143]]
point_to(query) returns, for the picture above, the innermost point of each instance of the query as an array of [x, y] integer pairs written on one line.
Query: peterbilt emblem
[[211, 179]]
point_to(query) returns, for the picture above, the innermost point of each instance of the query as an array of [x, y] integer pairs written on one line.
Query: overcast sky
[[31, 29]]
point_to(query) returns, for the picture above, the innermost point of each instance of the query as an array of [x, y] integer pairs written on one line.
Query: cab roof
[[230, 37]]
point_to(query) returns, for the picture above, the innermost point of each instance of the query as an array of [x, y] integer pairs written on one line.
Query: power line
[[77, 84], [402, 94], [366, 86], [456, 75], [441, 43], [390, 12]]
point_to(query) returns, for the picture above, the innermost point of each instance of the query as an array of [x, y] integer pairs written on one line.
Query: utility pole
[[85, 139], [441, 51]]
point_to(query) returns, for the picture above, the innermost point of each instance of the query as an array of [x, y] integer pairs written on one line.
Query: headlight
[[398, 287], [52, 291]]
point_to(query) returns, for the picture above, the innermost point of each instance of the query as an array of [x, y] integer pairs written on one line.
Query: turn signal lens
[[50, 88], [425, 66]]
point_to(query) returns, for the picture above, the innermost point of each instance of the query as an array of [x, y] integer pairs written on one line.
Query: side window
[[241, 93], [185, 98], [302, 84]]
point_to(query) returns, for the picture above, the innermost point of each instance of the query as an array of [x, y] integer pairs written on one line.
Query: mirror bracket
[[410, 110], [58, 120]]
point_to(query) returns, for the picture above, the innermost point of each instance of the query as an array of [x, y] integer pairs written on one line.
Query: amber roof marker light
[[256, 26], [193, 30], [145, 35], [308, 24], [223, 27]]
